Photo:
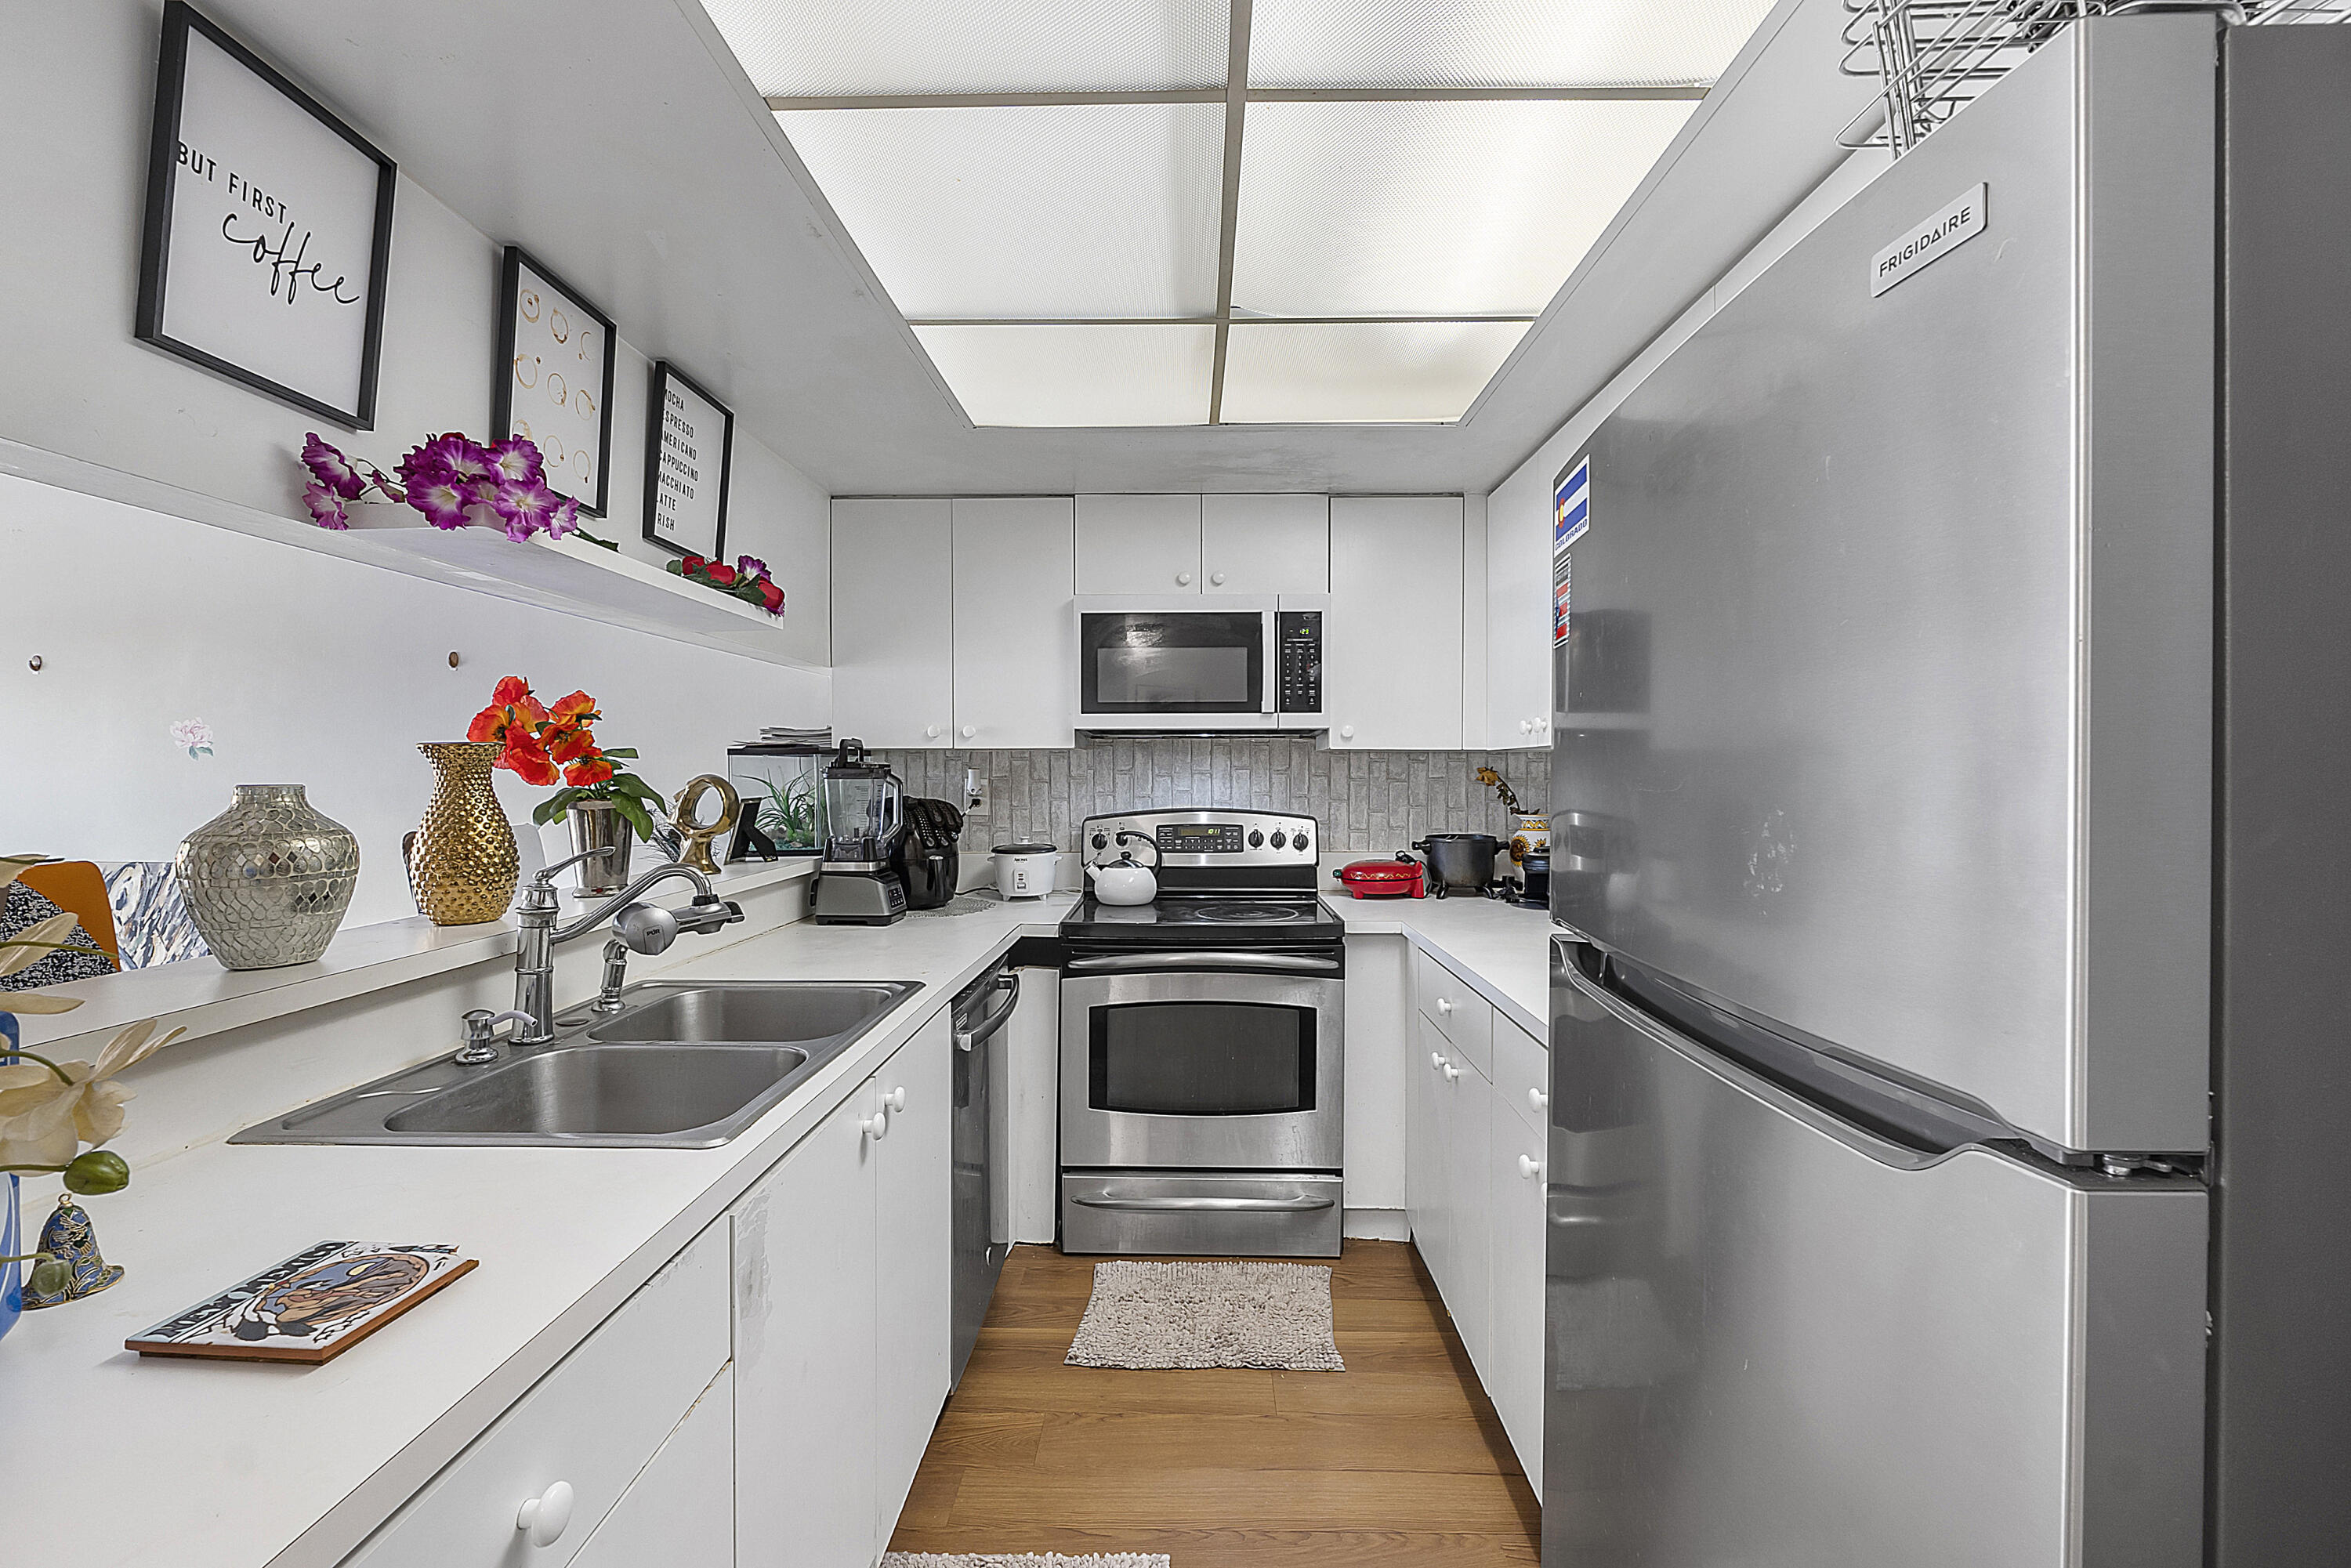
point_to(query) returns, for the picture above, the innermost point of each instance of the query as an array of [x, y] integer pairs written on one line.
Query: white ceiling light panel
[[1496, 43], [1076, 373], [1066, 212], [812, 49], [1432, 209], [1294, 373]]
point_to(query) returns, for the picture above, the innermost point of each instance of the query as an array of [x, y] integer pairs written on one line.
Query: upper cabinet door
[[1265, 544], [1138, 544], [1517, 628], [893, 623], [1392, 647], [1015, 646]]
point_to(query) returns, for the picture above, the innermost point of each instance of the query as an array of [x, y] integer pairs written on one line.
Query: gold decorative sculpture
[[695, 849]]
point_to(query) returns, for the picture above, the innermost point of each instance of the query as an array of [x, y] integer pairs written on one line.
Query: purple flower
[[517, 459], [750, 566], [332, 469], [528, 505], [326, 505], [566, 519], [443, 501], [455, 455]]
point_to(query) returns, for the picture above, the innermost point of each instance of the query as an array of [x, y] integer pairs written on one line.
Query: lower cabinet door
[[1464, 1114], [804, 1373], [1515, 1380], [1424, 1139], [913, 1261], [680, 1510]]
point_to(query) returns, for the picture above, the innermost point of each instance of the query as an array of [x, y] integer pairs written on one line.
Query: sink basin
[[683, 1065], [620, 1090], [737, 1013]]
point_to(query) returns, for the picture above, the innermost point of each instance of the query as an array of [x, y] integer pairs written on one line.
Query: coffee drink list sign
[[688, 449]]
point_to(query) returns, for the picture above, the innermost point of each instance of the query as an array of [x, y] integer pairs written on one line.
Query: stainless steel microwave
[[1200, 662]]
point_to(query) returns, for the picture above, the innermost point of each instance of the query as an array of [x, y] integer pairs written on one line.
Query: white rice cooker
[[1025, 870]]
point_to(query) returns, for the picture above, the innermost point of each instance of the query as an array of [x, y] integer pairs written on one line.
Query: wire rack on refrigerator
[[1932, 57]]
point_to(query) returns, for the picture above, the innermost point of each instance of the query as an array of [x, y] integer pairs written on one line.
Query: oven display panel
[[1199, 837]]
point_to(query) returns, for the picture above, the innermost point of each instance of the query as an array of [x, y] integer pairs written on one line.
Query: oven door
[[1194, 1070], [1154, 664]]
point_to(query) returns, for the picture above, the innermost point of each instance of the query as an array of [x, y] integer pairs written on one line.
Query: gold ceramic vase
[[461, 862]]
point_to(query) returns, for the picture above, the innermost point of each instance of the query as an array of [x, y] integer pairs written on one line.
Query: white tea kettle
[[1126, 881]]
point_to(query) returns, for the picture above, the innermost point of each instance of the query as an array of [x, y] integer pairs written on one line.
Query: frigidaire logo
[[1930, 242]]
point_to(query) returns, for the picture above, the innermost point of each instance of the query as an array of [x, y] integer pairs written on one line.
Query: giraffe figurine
[[70, 1238]]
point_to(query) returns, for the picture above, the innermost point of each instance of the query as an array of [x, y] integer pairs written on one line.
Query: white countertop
[[109, 1459]]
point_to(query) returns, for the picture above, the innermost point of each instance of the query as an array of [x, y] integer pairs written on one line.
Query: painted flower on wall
[[192, 736]]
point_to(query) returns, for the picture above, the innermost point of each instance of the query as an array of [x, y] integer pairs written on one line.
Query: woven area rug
[[1167, 1316], [1024, 1560]]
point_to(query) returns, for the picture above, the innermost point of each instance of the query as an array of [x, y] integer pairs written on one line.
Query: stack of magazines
[[780, 735]]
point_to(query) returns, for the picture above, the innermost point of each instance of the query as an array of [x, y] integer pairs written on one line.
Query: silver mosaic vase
[[268, 880]]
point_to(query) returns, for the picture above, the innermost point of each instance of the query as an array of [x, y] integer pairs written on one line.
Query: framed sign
[[268, 228], [689, 443], [555, 377]]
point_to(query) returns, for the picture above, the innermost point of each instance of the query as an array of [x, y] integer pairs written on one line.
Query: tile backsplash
[[1368, 802]]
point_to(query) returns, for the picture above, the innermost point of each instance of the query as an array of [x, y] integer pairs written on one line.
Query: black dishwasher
[[983, 1230]]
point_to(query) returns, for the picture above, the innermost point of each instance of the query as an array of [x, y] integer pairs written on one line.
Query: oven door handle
[[1282, 963], [1299, 1205]]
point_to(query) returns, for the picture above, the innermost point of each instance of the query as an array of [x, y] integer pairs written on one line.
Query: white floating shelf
[[578, 579]]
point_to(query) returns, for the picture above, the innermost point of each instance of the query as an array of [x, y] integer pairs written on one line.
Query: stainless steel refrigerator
[[1948, 1057]]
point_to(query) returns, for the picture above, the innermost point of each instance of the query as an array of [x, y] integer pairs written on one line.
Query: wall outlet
[[975, 792]]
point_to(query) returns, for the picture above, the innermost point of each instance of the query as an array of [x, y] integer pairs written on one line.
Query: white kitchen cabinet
[[1378, 1014], [805, 1416], [1015, 657], [894, 623], [912, 1259], [1465, 1122], [1138, 544], [580, 1436], [1265, 544], [1426, 1164], [1516, 1204], [1391, 667], [680, 1510], [841, 1302], [1518, 630], [1031, 1050]]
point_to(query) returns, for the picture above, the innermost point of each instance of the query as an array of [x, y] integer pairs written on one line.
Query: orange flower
[[592, 770], [569, 745], [575, 712], [526, 759], [512, 710]]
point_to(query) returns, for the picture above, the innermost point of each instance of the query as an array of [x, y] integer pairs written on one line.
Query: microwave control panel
[[1300, 636], [1204, 837]]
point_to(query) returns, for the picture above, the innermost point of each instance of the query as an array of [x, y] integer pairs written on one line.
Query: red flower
[[526, 759], [719, 572], [773, 595], [590, 770], [512, 710], [692, 564], [569, 745], [578, 710]]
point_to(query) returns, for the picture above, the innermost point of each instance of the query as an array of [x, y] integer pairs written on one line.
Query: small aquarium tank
[[782, 787]]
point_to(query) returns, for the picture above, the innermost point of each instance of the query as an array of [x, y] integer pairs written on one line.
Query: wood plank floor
[[1398, 1459]]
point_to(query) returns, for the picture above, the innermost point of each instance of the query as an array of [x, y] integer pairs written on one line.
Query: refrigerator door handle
[[1858, 1139]]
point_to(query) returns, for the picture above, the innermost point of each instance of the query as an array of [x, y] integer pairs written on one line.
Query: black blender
[[864, 815]]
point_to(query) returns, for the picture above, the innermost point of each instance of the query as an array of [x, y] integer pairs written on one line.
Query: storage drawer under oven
[[1201, 1213], [1202, 1070]]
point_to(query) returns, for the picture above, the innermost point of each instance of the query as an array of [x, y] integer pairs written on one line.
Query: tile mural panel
[[1366, 802]]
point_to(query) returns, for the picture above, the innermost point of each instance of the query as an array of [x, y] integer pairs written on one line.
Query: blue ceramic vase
[[12, 1275]]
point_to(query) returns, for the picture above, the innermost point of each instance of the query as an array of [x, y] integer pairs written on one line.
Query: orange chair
[[79, 888]]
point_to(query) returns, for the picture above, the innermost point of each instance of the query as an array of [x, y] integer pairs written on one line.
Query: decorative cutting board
[[311, 1307]]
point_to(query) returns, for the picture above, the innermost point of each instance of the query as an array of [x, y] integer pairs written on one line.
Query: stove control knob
[[1100, 842], [1257, 838], [1280, 838], [1299, 843]]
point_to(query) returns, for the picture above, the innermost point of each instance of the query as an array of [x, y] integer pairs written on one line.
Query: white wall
[[77, 89]]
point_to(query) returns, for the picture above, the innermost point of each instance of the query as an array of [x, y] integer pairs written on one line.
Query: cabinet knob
[[969, 731], [1182, 580], [931, 732], [1526, 727], [1445, 1004], [1530, 1168], [1346, 732], [1451, 1072], [1537, 1098], [1436, 1059], [545, 1517], [1217, 578], [876, 1127], [896, 1098]]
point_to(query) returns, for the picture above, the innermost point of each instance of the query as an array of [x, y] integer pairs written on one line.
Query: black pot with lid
[[1458, 861]]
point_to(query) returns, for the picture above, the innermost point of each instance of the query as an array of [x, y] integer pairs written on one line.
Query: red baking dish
[[1397, 878]]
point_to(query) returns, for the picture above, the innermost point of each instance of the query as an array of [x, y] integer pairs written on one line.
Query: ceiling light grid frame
[[1294, 364]]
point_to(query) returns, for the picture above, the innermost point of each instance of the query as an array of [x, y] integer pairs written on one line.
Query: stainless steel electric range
[[1203, 1045]]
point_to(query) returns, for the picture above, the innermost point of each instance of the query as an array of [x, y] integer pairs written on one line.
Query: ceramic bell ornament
[[70, 1238]]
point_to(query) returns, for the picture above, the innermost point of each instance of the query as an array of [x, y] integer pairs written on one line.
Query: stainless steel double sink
[[682, 1065]]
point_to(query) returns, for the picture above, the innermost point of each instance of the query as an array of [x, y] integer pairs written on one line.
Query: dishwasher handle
[[1281, 963], [1008, 987]]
